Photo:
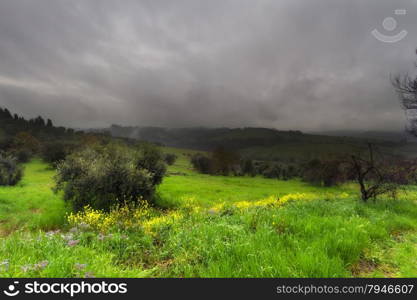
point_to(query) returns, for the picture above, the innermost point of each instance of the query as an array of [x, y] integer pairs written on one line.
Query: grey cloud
[[290, 64]]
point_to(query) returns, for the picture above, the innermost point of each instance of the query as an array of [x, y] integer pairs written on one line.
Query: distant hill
[[207, 138], [395, 136], [257, 143]]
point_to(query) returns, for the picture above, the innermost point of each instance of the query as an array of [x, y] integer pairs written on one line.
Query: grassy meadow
[[208, 226], [31, 204]]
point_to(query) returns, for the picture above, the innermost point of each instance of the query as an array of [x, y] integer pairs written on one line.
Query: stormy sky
[[288, 64]]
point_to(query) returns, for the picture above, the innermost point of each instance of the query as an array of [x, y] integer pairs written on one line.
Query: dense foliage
[[32, 130], [325, 172], [22, 155], [10, 171], [26, 139], [275, 170], [104, 176], [201, 163], [54, 152], [222, 162], [170, 158]]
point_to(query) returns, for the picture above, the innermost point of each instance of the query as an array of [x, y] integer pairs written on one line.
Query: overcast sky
[[287, 64]]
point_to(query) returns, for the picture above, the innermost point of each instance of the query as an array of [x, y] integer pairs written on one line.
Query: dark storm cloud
[[293, 64]]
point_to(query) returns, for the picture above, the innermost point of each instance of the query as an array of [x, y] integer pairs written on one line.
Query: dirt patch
[[36, 210], [5, 232], [397, 235], [165, 263], [366, 267], [363, 267]]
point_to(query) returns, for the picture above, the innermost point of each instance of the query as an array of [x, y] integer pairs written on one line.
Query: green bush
[[220, 162], [170, 158], [10, 171], [225, 162], [202, 164], [22, 155], [151, 159], [273, 171], [324, 173], [54, 152], [248, 167], [103, 177]]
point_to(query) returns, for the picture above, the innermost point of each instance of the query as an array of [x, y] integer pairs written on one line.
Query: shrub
[[10, 171], [22, 155], [106, 176], [292, 171], [151, 159], [260, 167], [326, 173], [55, 152], [224, 162], [24, 140], [311, 172], [220, 162], [273, 171], [248, 167], [202, 163], [170, 158]]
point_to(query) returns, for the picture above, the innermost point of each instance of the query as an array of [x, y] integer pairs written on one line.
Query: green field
[[32, 204], [209, 226]]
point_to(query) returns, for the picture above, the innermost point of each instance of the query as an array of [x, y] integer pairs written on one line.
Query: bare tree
[[406, 87], [382, 175], [362, 170]]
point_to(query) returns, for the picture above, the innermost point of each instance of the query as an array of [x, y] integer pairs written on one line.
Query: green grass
[[182, 164], [327, 232], [205, 190], [32, 204]]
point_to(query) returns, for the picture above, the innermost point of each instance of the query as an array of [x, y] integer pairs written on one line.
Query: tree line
[[374, 172]]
